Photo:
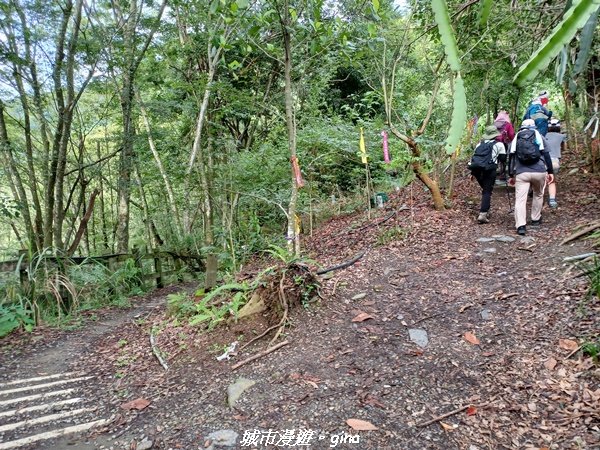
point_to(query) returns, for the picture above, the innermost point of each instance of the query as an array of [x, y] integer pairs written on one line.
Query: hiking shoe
[[552, 203], [521, 230], [536, 223], [483, 218]]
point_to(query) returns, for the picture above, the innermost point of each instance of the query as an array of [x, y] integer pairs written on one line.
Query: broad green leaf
[[214, 5], [459, 116], [484, 12], [561, 65], [376, 5], [442, 19], [585, 43], [242, 4], [574, 19]]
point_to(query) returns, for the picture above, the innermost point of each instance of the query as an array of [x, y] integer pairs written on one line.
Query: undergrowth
[[55, 291]]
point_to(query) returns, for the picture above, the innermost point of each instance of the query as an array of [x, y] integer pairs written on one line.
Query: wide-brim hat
[[491, 132]]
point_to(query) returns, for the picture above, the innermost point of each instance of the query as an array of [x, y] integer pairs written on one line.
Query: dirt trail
[[498, 313]]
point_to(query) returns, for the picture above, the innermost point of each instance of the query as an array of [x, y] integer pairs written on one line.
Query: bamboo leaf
[[573, 20], [459, 116], [484, 12], [442, 19], [585, 43]]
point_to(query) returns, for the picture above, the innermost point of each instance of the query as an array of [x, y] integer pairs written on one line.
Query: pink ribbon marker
[[386, 152]]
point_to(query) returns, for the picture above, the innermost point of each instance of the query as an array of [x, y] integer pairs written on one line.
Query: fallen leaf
[[471, 411], [361, 425], [362, 317], [532, 407], [471, 338], [138, 403], [550, 364], [447, 427], [568, 344]]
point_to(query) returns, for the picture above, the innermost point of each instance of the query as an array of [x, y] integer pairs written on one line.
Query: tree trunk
[[293, 236], [132, 62], [83, 224], [16, 182], [161, 168], [419, 170]]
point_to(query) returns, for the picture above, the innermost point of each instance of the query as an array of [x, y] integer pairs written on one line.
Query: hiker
[[507, 134], [556, 143], [529, 164], [539, 113], [483, 167]]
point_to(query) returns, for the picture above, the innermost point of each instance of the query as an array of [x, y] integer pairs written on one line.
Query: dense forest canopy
[[217, 130]]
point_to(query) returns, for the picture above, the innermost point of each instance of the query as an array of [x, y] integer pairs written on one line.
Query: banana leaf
[[442, 19], [459, 116], [574, 19], [585, 43]]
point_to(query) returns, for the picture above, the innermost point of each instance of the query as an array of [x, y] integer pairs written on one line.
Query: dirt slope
[[424, 271]]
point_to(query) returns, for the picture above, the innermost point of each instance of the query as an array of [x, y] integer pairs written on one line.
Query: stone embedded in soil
[[527, 239], [486, 314], [502, 238], [419, 337], [235, 390], [359, 296], [485, 239], [145, 444], [222, 439], [490, 250]]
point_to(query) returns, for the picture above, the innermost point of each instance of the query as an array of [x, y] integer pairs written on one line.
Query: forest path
[[499, 312], [41, 400]]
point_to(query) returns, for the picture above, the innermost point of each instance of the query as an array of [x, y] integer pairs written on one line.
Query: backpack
[[531, 110], [482, 158], [501, 127], [528, 151]]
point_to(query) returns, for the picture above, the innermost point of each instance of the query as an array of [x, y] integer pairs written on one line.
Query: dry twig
[[259, 355], [586, 230], [156, 352]]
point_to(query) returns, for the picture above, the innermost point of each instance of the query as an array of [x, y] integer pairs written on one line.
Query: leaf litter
[[522, 391]]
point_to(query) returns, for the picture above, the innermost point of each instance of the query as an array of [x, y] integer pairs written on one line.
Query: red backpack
[[501, 127]]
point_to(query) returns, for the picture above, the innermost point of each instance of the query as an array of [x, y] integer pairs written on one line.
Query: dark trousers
[[486, 179]]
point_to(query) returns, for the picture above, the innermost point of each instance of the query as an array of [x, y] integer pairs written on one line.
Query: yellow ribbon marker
[[363, 150]]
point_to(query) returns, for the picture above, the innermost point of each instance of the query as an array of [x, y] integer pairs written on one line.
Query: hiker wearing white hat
[[529, 165]]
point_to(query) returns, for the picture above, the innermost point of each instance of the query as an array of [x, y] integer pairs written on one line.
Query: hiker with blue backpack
[[556, 143], [538, 112], [483, 165], [529, 164]]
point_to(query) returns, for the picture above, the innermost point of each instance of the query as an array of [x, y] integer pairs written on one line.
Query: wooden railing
[[162, 264]]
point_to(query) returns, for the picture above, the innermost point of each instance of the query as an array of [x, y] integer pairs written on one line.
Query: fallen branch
[[579, 257], [259, 355], [156, 352], [573, 352], [426, 318], [443, 416], [586, 230], [343, 265], [525, 249]]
